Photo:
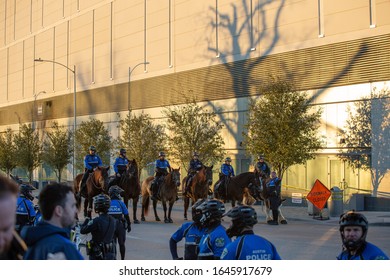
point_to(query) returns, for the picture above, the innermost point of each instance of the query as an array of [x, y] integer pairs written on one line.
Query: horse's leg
[[186, 204], [164, 204], [281, 218], [266, 210], [170, 211], [135, 202], [155, 210], [86, 207], [90, 202]]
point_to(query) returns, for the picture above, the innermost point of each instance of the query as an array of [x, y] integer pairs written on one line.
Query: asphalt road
[[300, 239]]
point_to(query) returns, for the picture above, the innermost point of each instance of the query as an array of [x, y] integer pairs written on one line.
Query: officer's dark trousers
[[120, 235]]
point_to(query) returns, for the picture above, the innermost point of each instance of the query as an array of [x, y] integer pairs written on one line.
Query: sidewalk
[[297, 213]]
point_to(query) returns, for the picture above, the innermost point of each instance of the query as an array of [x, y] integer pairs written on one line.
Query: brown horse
[[96, 183], [199, 187], [168, 193], [129, 182], [237, 188]]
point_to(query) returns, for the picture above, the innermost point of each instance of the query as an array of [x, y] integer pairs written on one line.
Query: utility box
[[357, 202], [336, 203]]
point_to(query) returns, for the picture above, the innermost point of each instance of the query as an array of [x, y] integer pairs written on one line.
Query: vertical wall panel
[[15, 72], [102, 43]]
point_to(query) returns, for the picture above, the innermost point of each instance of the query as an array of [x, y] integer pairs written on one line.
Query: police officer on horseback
[[161, 170], [91, 161], [273, 190], [25, 210], [215, 238], [194, 167], [262, 167], [102, 228], [120, 166], [227, 171], [247, 245], [119, 211]]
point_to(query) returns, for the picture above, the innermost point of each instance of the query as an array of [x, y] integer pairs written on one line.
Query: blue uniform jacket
[[370, 252], [212, 243], [120, 164], [253, 247], [92, 161], [195, 165], [192, 235], [162, 164], [25, 207], [45, 238], [262, 166], [117, 208], [227, 170]]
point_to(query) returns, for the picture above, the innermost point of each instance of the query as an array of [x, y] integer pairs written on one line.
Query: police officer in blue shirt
[[195, 166], [247, 246], [91, 161], [25, 210], [119, 211], [273, 190], [215, 239], [192, 232], [120, 166], [353, 231], [262, 167], [227, 171], [162, 167]]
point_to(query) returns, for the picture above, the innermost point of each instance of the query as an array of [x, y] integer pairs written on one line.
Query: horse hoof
[[143, 219], [283, 222], [166, 221], [158, 219], [170, 220], [185, 218], [137, 221]]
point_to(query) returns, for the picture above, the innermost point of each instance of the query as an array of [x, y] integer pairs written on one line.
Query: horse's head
[[209, 174], [132, 169], [175, 176], [101, 175]]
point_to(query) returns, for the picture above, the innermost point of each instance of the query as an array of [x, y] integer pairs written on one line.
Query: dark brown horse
[[199, 187], [129, 182], [168, 193], [237, 188], [96, 183]]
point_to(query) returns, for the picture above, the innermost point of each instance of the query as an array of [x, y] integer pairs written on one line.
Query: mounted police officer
[[353, 231], [91, 161], [119, 211], [215, 238], [120, 166], [262, 167], [273, 189], [227, 171], [161, 170], [194, 167], [25, 210], [192, 232], [247, 245], [102, 228]]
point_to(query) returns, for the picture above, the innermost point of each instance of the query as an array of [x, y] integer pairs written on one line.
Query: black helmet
[[259, 157], [228, 159], [92, 148], [195, 154], [101, 203], [161, 154], [122, 151], [197, 213], [212, 210], [244, 214], [115, 192], [26, 191], [352, 218]]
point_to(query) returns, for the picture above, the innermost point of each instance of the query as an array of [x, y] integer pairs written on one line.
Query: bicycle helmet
[[195, 154], [92, 148], [101, 203], [197, 213], [122, 152], [259, 157], [161, 154], [26, 191], [115, 192], [228, 159], [212, 211], [242, 218], [352, 218]]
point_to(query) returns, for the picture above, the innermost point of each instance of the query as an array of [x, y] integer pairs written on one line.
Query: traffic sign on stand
[[318, 195]]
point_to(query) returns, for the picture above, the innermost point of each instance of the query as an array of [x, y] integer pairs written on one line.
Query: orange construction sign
[[318, 195]]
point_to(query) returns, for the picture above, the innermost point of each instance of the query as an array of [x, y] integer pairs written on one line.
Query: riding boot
[[155, 190]]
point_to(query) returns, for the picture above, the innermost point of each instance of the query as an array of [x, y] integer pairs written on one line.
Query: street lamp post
[[34, 106], [128, 89], [74, 106]]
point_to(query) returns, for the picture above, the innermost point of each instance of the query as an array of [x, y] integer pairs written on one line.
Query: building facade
[[101, 57]]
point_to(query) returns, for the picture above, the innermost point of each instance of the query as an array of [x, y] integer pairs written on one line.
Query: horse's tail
[[145, 203]]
